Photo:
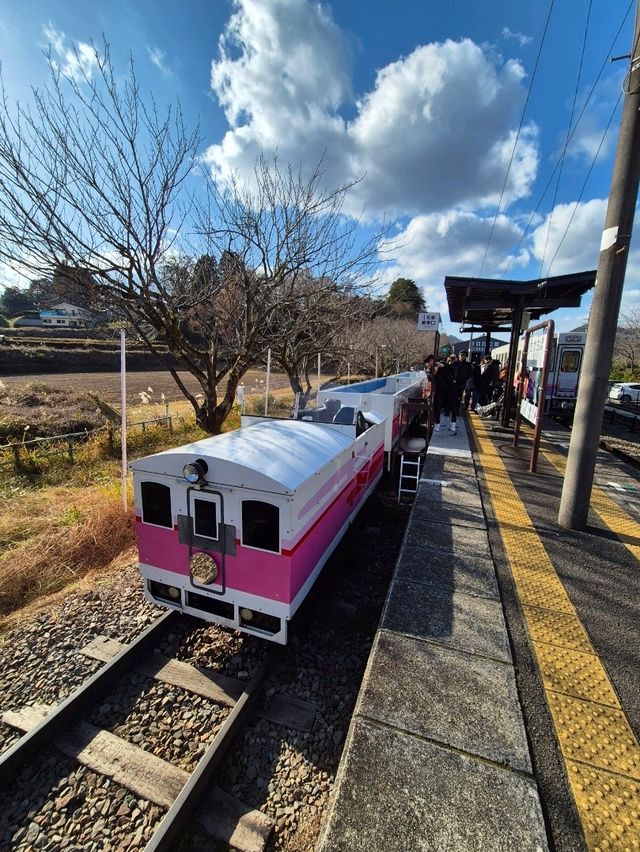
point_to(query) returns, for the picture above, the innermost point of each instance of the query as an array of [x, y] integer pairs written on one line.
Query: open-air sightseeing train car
[[235, 529], [389, 395]]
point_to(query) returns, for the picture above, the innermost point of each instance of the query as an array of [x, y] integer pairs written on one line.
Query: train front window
[[205, 518], [570, 361], [156, 504], [260, 525]]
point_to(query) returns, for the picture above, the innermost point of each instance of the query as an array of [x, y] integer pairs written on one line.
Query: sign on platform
[[428, 322]]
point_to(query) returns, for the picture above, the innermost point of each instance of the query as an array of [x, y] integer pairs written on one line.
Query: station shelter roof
[[488, 304]]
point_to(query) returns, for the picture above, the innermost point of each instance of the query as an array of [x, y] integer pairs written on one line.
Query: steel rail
[[177, 818], [31, 743]]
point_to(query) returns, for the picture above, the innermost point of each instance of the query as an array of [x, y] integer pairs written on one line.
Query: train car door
[[567, 372], [206, 532]]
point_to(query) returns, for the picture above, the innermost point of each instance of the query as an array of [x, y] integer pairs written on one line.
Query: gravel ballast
[[287, 774]]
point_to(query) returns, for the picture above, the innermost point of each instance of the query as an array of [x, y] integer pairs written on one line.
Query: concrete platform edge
[[436, 755]]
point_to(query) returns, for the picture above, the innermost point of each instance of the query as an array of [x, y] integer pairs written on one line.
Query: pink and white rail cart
[[235, 529]]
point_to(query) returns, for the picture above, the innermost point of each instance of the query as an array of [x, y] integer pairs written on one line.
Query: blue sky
[[423, 97]]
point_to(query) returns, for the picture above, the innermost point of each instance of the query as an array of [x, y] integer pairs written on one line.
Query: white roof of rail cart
[[275, 455]]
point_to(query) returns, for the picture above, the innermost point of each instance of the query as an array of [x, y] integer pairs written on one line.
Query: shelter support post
[[549, 325], [511, 365]]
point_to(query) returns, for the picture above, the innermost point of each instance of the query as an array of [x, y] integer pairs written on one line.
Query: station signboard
[[428, 322]]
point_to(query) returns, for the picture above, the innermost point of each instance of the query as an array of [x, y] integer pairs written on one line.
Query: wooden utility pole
[[603, 320]]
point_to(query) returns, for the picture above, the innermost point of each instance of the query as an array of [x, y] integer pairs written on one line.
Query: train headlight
[[246, 614], [195, 471]]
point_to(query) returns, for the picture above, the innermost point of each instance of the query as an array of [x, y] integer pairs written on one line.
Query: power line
[[515, 144], [593, 162], [575, 127], [566, 142]]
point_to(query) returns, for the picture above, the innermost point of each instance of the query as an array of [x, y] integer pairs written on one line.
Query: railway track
[[150, 777]]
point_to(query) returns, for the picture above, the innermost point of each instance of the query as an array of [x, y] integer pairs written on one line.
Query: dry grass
[[86, 536], [62, 522], [38, 410]]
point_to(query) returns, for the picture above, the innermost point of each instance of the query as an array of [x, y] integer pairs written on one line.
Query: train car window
[[260, 525], [156, 504], [570, 361], [205, 518]]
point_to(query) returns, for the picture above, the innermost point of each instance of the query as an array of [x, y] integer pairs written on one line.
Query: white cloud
[[453, 243], [76, 61], [436, 130], [519, 37], [589, 141], [158, 57], [283, 72], [412, 134], [579, 249]]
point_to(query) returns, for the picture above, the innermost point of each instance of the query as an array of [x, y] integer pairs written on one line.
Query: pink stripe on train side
[[312, 548], [376, 459]]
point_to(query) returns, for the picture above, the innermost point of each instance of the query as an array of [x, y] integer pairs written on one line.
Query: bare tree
[[302, 259], [94, 180], [627, 346], [316, 323], [392, 344]]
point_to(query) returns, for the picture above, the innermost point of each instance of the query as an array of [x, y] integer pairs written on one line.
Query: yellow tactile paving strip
[[600, 751], [610, 513]]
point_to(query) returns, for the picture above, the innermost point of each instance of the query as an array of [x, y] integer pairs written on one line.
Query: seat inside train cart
[[388, 395]]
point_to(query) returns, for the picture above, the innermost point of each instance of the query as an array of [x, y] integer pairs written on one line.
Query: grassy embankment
[[61, 522]]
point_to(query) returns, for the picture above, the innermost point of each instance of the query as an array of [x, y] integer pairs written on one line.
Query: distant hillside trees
[[97, 182], [14, 301]]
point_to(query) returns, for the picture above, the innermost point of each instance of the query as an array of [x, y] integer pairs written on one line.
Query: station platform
[[500, 708]]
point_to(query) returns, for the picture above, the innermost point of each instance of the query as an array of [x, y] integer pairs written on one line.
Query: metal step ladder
[[411, 459]]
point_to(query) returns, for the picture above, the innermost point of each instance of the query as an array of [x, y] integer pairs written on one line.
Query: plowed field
[[107, 385]]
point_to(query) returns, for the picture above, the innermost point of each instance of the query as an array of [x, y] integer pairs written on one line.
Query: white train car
[[565, 363], [388, 396], [235, 529]]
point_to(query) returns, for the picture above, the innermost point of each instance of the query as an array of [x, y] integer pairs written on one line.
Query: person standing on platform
[[462, 372], [444, 395], [472, 387], [489, 376], [428, 366]]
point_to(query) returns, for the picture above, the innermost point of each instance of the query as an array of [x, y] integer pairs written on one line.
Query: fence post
[[70, 450], [15, 449]]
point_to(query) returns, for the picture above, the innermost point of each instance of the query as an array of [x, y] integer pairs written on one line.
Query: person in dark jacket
[[444, 395], [462, 372], [490, 370], [472, 387]]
